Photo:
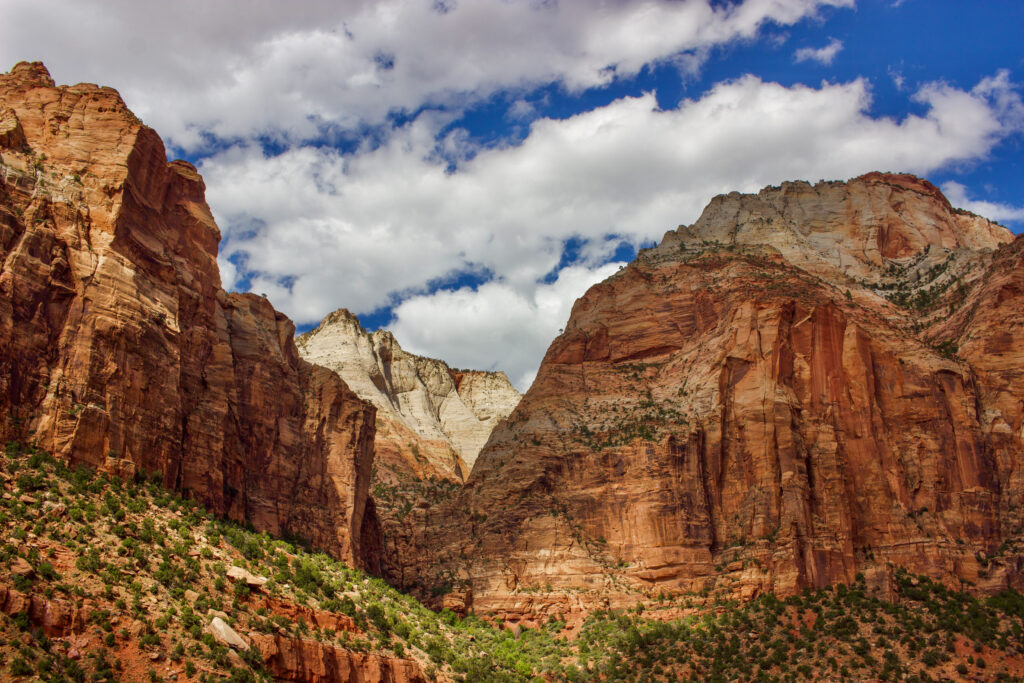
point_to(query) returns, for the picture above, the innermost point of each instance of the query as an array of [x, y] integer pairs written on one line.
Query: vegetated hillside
[[120, 349], [105, 579], [767, 401]]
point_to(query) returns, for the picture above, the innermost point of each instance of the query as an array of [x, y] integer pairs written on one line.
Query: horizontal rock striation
[[120, 350], [297, 659]]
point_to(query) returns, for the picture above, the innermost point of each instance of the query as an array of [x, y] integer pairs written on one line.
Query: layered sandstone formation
[[432, 421], [295, 659], [770, 399], [120, 350], [807, 383]]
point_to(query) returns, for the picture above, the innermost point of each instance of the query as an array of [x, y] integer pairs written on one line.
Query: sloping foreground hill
[[809, 383], [105, 579], [119, 349]]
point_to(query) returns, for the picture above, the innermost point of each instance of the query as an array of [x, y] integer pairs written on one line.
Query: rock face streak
[[744, 409], [120, 350], [432, 421]]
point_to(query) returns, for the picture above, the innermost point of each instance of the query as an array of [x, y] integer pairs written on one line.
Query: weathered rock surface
[[238, 574], [119, 349], [986, 330], [841, 230], [56, 618], [297, 659], [432, 421], [225, 635], [757, 415]]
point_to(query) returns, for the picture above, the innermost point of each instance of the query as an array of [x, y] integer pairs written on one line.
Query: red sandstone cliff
[[119, 348], [760, 404], [986, 330]]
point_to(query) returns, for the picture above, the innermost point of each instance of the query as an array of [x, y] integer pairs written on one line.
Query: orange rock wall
[[120, 350], [987, 330], [719, 418], [296, 659]]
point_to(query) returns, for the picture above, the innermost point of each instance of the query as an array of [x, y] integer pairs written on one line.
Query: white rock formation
[[855, 229], [429, 417], [225, 635]]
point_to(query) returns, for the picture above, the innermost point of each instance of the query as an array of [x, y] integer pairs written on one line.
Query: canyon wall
[[120, 350], [808, 383], [431, 423], [768, 400]]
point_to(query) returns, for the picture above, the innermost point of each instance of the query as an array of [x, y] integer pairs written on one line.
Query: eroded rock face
[[297, 659], [56, 618], [432, 421], [756, 415], [986, 330], [119, 349]]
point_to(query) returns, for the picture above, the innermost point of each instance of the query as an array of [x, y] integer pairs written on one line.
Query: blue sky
[[461, 171]]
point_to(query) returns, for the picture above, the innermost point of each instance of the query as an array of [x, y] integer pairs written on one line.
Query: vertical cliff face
[[118, 347], [985, 330], [432, 421], [744, 409]]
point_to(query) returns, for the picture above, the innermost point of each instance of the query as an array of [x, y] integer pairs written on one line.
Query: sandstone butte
[[808, 383], [120, 350], [432, 420]]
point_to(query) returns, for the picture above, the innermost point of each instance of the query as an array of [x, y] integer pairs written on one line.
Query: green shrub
[[19, 667]]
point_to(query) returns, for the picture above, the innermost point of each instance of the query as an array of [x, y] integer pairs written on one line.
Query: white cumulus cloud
[[956, 193], [494, 327], [242, 69], [825, 54]]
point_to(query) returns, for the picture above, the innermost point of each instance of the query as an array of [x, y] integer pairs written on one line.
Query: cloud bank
[[231, 69]]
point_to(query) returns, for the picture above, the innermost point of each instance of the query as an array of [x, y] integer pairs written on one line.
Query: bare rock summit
[[432, 421]]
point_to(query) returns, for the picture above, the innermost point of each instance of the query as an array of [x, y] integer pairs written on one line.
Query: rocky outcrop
[[432, 421], [297, 659], [120, 350], [758, 405], [55, 618]]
